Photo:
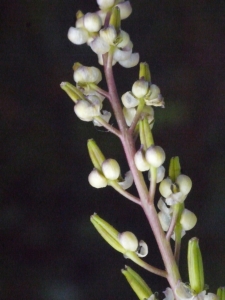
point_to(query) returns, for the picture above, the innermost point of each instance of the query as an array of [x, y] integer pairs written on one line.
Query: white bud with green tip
[[221, 293], [138, 285], [195, 266], [111, 169]]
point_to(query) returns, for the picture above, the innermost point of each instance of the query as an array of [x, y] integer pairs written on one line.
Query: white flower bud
[[86, 111], [129, 100], [165, 187], [140, 88], [92, 22], [125, 9], [185, 184], [128, 240], [131, 62], [108, 34], [140, 161], [160, 174], [97, 180], [105, 3], [155, 155], [188, 219], [142, 250], [111, 169], [77, 36], [99, 45], [87, 74]]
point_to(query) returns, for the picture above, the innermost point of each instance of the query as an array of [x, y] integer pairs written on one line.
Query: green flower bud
[[139, 286], [140, 88], [115, 20], [109, 233], [174, 168], [188, 219], [155, 155], [221, 293], [195, 266], [111, 169], [128, 240], [144, 72], [145, 132], [74, 93], [185, 184], [97, 180], [165, 187], [96, 154]]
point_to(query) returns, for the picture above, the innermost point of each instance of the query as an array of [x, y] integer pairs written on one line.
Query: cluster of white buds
[[174, 192], [154, 156], [104, 35], [143, 95], [106, 171]]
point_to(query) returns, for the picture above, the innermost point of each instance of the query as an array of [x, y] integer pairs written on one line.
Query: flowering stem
[[127, 195], [108, 126], [147, 205]]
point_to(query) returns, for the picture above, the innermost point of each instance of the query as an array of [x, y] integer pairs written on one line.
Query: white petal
[[140, 161], [175, 198], [96, 179], [105, 3], [121, 55], [131, 62], [165, 220], [129, 100], [188, 219], [125, 9], [106, 115], [169, 294], [129, 114], [142, 250], [77, 36], [92, 22], [183, 292], [165, 187], [210, 296], [128, 181], [99, 46], [125, 42], [162, 206], [160, 174]]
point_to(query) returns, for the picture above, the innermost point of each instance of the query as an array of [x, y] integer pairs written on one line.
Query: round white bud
[[92, 22], [87, 74], [188, 219], [111, 169], [77, 36], [86, 111], [128, 240], [155, 155], [140, 88], [140, 161], [165, 187], [185, 184], [96, 179]]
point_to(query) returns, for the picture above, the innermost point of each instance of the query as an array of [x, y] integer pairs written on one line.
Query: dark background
[[49, 250]]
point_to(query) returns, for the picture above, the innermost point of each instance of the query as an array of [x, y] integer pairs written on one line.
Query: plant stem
[[147, 205]]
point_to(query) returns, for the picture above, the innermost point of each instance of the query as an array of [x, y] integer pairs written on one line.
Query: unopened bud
[[188, 219], [128, 240], [115, 20], [92, 22], [140, 88], [185, 184], [138, 285], [221, 293], [155, 155], [140, 161], [86, 111], [195, 266], [165, 187], [111, 169], [96, 154], [73, 92], [97, 180]]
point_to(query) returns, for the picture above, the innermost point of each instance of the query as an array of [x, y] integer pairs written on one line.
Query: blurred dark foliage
[[49, 250]]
